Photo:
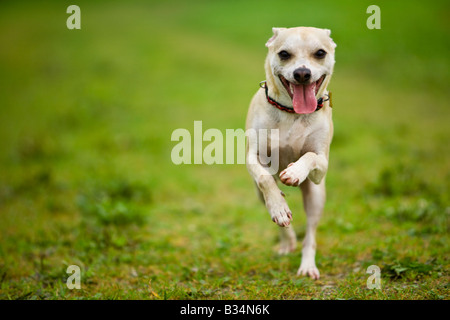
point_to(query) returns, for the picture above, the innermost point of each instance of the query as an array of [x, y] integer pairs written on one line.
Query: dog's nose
[[302, 75]]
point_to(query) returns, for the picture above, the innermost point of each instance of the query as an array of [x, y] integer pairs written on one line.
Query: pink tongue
[[304, 99]]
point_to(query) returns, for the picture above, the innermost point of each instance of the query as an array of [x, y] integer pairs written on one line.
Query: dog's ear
[[275, 31], [328, 33]]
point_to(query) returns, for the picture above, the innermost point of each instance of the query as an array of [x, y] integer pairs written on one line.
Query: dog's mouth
[[303, 95]]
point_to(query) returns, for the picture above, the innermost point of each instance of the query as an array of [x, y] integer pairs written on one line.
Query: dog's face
[[299, 64]]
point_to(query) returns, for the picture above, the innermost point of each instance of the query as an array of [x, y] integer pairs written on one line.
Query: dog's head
[[299, 65]]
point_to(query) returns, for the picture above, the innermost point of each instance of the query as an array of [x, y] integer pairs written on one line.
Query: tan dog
[[294, 100]]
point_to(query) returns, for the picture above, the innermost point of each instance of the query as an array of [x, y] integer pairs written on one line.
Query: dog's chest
[[292, 137]]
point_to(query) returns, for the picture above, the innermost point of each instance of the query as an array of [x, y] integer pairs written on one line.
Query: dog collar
[[320, 101]]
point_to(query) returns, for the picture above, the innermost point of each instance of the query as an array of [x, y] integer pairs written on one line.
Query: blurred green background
[[86, 177]]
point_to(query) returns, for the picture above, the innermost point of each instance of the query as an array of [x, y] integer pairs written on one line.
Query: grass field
[[86, 177]]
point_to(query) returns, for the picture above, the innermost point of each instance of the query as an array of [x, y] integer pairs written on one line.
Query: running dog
[[294, 99]]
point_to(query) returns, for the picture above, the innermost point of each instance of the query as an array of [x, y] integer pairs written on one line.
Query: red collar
[[320, 101]]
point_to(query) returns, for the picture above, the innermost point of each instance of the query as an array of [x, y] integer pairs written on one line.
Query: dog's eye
[[320, 54], [284, 55]]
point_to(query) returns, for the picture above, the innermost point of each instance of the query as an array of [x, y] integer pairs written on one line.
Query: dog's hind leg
[[288, 240], [313, 202]]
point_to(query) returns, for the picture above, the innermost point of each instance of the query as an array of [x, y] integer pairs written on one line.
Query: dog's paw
[[279, 212], [309, 270], [293, 175]]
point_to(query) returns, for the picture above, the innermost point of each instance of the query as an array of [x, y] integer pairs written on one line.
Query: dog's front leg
[[311, 165], [273, 198], [272, 195]]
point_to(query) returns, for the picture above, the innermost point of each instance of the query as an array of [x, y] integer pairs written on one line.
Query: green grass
[[86, 176]]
